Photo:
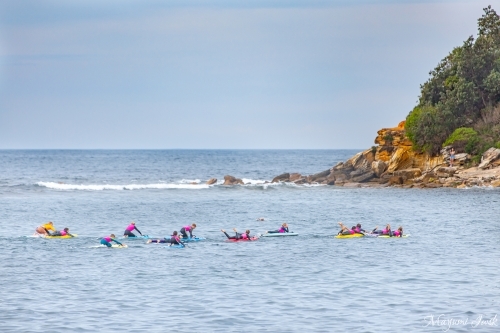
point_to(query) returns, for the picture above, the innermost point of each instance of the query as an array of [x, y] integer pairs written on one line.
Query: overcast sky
[[218, 74]]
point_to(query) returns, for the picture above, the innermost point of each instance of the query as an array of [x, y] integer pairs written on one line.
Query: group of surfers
[[344, 231], [48, 229]]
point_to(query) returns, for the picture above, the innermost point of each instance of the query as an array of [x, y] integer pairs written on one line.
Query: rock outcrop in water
[[393, 162]]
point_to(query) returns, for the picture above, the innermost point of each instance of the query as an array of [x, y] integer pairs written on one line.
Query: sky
[[194, 74]]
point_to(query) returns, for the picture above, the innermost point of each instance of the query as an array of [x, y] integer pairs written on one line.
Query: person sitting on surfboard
[[283, 229], [245, 236], [107, 240], [44, 229], [128, 231], [188, 228], [386, 231], [63, 232]]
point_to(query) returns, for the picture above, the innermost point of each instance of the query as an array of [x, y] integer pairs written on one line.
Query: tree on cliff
[[462, 91]]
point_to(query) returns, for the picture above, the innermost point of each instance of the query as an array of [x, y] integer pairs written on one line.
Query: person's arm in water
[[137, 230]]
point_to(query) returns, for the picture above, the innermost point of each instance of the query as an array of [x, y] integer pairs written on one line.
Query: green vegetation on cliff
[[460, 103]]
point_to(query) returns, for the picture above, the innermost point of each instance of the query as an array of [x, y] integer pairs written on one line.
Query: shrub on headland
[[460, 103]]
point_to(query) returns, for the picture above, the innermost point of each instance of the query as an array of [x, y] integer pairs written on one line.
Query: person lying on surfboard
[[176, 240], [188, 228], [43, 230], [245, 235], [128, 231], [359, 230], [386, 231], [63, 232], [108, 239], [397, 233], [283, 229], [346, 231]]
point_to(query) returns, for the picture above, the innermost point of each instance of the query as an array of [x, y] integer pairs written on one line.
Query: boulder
[[316, 176], [433, 185], [294, 176], [409, 173], [378, 167], [495, 183], [284, 177], [230, 180], [396, 180], [363, 177], [211, 181], [488, 157], [352, 185]]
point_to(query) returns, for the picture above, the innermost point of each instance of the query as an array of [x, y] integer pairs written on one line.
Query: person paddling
[[43, 230], [397, 233], [128, 231], [188, 228], [245, 235], [63, 232], [108, 239], [176, 240]]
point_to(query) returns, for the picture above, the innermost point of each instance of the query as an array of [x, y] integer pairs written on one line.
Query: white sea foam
[[94, 187], [247, 181]]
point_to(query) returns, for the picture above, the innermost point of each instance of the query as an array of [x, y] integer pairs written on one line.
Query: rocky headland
[[393, 162]]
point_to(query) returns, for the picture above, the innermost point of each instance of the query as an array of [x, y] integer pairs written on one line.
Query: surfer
[[175, 240], [345, 230], [386, 231], [245, 235], [188, 229], [397, 233], [43, 230], [128, 231], [283, 229], [107, 240], [63, 232], [359, 230]]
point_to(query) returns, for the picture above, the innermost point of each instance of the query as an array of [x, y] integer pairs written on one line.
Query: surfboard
[[176, 246], [60, 237], [136, 237], [254, 238], [350, 236], [194, 239], [387, 236], [280, 234]]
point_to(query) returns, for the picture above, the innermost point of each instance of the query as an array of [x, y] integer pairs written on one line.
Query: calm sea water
[[444, 276]]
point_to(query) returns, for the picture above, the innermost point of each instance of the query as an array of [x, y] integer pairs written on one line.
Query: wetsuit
[[382, 232], [130, 228], [187, 228], [160, 240], [107, 241], [348, 232], [175, 240], [62, 233], [238, 236], [396, 233], [281, 230], [359, 230]]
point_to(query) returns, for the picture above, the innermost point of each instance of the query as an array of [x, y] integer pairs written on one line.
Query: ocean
[[443, 277]]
